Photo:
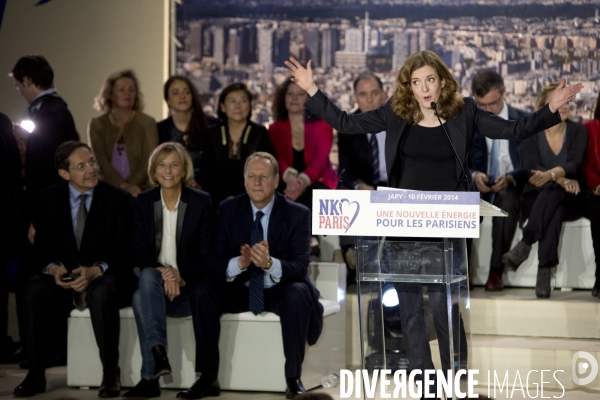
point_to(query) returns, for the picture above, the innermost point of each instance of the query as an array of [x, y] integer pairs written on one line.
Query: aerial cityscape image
[[529, 42]]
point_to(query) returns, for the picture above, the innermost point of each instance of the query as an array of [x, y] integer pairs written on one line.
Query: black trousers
[[547, 208], [3, 300], [592, 212], [416, 340], [46, 310], [504, 228], [211, 298]]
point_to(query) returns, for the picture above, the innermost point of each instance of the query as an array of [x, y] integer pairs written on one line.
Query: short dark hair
[[234, 87], [35, 68], [64, 151], [367, 75], [484, 81], [597, 110]]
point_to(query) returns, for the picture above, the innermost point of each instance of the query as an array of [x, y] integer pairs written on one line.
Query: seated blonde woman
[[173, 228]]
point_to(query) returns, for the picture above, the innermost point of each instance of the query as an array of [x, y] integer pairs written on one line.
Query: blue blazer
[[194, 232], [289, 241], [478, 157]]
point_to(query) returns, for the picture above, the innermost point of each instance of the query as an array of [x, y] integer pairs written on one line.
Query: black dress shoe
[[206, 386], [111, 383], [543, 283], [294, 388], [596, 288], [34, 383], [161, 361], [147, 388]]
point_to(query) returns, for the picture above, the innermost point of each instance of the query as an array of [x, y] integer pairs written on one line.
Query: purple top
[[120, 161]]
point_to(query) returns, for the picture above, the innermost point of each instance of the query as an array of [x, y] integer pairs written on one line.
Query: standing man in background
[[362, 157], [34, 79], [498, 170]]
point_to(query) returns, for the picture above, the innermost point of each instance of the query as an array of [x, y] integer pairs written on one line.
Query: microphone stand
[[434, 106]]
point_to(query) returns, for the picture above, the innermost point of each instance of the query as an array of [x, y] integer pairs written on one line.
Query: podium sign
[[399, 213], [411, 269]]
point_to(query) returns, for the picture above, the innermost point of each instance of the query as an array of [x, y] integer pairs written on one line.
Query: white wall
[[84, 41]]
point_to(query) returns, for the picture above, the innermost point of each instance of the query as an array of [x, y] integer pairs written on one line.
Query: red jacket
[[318, 137], [591, 162]]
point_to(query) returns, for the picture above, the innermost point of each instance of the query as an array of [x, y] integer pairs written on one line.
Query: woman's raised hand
[[301, 76], [563, 95]]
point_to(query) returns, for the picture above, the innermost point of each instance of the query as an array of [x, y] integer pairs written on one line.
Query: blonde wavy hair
[[103, 101], [541, 101], [161, 152], [404, 103]]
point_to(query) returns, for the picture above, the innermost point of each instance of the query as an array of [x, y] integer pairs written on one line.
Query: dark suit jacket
[[478, 156], [355, 158], [53, 126], [106, 237], [575, 144], [194, 236], [460, 129], [289, 241], [10, 165]]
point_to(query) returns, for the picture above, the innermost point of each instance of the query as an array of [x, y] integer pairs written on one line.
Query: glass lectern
[[413, 298]]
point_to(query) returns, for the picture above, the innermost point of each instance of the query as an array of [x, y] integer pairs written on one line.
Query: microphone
[[340, 180], [434, 106]]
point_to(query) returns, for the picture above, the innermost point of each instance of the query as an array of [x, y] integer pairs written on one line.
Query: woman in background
[[187, 123], [553, 194], [123, 137], [302, 143], [230, 142]]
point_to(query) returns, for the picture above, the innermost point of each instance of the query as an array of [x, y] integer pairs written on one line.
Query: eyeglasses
[[83, 166]]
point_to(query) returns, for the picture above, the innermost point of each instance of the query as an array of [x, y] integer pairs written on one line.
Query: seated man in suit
[[262, 252], [498, 170], [362, 156], [82, 242]]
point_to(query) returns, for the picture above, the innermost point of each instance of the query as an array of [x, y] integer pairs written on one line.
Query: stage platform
[[514, 331]]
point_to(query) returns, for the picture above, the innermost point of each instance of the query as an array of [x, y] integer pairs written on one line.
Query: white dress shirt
[[505, 163], [168, 245], [273, 274]]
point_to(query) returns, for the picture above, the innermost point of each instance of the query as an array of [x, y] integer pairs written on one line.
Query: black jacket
[[460, 129], [53, 125], [194, 232], [106, 237], [220, 177], [289, 241], [355, 159]]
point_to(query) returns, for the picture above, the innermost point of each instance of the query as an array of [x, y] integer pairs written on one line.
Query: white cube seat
[[246, 341]]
